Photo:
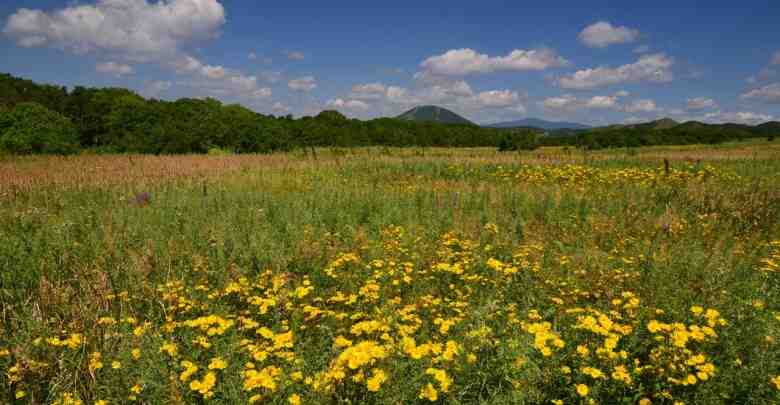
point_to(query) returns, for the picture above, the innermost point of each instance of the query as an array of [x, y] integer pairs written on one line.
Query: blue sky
[[595, 62]]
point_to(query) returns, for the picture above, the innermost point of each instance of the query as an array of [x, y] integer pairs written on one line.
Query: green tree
[[31, 128]]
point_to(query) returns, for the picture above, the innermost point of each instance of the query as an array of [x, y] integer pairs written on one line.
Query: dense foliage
[[32, 128], [118, 120], [652, 133]]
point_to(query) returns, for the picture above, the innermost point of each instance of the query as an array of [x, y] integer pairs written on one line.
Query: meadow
[[389, 276]]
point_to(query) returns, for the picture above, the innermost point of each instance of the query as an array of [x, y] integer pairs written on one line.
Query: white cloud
[[642, 49], [263, 92], [306, 84], [568, 102], [453, 94], [213, 72], [347, 104], [155, 88], [497, 98], [650, 68], [461, 62], [602, 102], [518, 108], [280, 108], [252, 56], [135, 29], [114, 68], [740, 117], [641, 106], [700, 103], [564, 102], [603, 34], [369, 91], [220, 80], [446, 89], [295, 55], [769, 94], [399, 95], [138, 30]]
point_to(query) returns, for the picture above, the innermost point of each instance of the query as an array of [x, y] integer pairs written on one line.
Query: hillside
[[432, 113], [539, 123]]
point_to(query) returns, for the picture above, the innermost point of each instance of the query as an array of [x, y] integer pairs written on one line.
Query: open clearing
[[393, 276]]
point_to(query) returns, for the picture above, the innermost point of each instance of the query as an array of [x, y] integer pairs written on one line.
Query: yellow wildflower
[[375, 382], [429, 393], [217, 364]]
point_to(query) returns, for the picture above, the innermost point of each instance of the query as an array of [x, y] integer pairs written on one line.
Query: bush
[[32, 128]]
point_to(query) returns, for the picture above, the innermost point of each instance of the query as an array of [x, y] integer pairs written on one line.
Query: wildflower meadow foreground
[[393, 276]]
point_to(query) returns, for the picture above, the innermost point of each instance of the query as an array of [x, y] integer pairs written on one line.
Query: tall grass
[[77, 249]]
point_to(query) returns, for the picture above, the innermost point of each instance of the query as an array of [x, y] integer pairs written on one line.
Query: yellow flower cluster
[[370, 323], [574, 175]]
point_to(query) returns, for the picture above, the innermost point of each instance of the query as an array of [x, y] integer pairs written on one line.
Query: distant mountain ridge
[[432, 113], [539, 123]]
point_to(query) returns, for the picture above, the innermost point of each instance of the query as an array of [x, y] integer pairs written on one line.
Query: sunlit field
[[393, 276]]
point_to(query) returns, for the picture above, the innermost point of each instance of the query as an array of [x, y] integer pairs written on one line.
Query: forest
[[47, 119]]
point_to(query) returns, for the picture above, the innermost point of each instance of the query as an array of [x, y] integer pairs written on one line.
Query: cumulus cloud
[[739, 117], [454, 94], [155, 88], [649, 68], [305, 84], [295, 55], [114, 68], [564, 102], [603, 34], [571, 103], [252, 56], [213, 72], [341, 104], [280, 108], [135, 29], [700, 103], [369, 91], [497, 98], [462, 62], [139, 31], [642, 49], [399, 95], [640, 106], [263, 92], [769, 94], [219, 79]]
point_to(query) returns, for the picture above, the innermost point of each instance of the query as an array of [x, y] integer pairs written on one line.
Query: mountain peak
[[432, 113], [664, 123]]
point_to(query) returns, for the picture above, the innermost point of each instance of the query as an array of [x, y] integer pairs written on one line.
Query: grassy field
[[393, 276]]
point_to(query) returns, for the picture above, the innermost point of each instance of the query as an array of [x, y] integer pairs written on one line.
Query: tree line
[[39, 118], [651, 133]]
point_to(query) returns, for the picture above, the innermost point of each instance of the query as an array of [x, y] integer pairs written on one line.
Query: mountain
[[771, 128], [432, 113], [664, 123], [537, 123]]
